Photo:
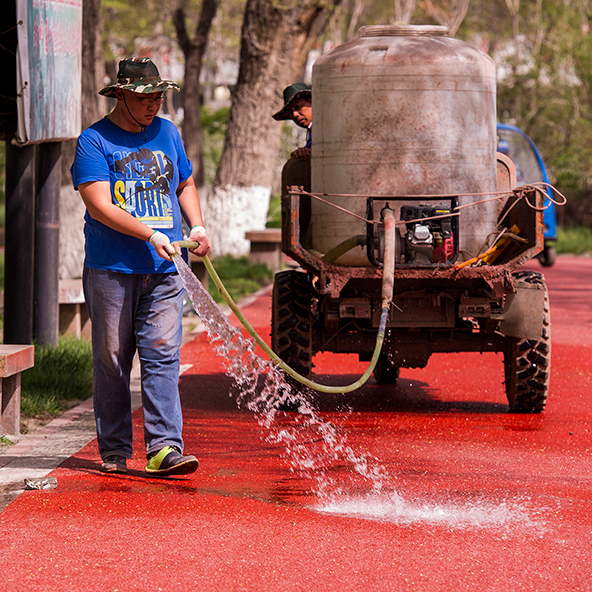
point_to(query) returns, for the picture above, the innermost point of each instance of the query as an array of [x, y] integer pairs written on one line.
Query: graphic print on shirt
[[143, 186]]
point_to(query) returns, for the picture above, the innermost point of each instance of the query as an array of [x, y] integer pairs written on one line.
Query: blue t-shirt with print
[[144, 171]]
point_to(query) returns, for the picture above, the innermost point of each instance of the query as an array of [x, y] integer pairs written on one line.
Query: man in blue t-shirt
[[135, 180]]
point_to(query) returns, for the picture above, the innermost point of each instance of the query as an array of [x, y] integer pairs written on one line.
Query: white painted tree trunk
[[236, 211]]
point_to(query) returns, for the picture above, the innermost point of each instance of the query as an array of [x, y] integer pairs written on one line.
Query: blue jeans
[[129, 312]]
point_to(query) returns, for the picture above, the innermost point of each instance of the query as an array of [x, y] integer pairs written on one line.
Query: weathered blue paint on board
[[49, 67]]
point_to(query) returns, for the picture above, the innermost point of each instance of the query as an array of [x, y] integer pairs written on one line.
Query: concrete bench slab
[[74, 319], [266, 247], [13, 360]]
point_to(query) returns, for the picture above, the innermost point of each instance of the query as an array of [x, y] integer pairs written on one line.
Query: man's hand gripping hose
[[387, 294], [162, 244]]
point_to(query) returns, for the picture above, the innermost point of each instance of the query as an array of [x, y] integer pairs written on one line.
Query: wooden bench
[[74, 319], [266, 247], [13, 360]]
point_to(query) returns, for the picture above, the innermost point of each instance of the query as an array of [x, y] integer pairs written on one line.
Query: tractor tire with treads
[[291, 320], [527, 362]]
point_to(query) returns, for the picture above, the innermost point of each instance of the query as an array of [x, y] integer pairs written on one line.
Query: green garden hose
[[387, 294]]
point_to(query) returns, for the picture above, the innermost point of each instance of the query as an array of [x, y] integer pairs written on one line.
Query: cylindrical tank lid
[[403, 30]]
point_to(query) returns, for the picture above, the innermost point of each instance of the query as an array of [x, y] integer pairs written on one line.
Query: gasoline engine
[[427, 236]]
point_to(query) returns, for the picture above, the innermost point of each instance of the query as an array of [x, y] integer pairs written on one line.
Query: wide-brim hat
[[140, 75], [291, 93]]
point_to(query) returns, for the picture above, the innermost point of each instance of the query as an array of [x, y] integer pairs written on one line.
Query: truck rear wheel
[[291, 320], [547, 256], [385, 371], [527, 362]]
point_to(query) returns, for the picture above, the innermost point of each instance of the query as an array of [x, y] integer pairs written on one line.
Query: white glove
[[162, 244], [198, 235]]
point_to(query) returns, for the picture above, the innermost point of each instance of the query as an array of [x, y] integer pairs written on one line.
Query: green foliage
[[274, 215], [125, 21], [213, 124], [547, 91], [60, 374], [576, 241], [240, 277]]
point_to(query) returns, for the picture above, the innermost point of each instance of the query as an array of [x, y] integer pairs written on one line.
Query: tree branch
[[182, 37], [208, 11]]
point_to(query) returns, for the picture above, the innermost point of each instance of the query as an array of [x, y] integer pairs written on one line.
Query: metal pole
[[48, 175], [19, 248]]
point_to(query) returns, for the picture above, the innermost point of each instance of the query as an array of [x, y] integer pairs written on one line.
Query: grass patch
[[575, 241], [61, 374], [240, 277], [213, 124], [274, 214]]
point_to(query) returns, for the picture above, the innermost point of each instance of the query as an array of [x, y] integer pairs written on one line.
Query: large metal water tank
[[402, 110]]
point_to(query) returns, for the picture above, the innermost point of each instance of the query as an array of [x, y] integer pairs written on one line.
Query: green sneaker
[[169, 461]]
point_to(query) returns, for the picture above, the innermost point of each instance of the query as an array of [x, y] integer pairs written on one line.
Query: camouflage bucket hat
[[291, 94], [139, 75]]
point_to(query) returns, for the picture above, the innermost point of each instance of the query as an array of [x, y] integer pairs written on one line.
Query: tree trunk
[[404, 10], [194, 50], [277, 36], [450, 14]]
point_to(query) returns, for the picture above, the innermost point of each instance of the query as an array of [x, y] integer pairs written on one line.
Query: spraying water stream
[[264, 391], [314, 447]]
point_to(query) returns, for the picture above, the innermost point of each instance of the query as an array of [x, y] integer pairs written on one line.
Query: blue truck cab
[[530, 168]]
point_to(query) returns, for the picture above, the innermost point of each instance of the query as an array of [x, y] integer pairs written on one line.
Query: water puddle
[[314, 447], [395, 509]]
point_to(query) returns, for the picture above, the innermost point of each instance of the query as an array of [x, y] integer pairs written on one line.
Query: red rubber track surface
[[492, 501]]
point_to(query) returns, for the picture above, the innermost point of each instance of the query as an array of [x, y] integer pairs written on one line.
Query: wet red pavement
[[475, 498]]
